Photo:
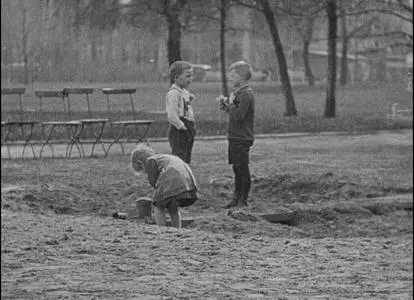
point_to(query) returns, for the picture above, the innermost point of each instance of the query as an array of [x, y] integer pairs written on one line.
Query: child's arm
[[151, 168], [173, 112], [239, 112]]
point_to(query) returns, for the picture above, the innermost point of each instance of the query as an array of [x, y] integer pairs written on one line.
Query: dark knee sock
[[245, 180], [237, 179]]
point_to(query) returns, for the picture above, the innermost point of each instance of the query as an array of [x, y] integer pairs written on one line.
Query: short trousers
[[238, 152], [182, 141]]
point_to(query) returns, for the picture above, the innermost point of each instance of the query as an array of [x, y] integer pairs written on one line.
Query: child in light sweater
[[172, 179]]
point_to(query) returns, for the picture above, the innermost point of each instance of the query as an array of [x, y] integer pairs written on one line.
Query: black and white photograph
[[206, 149]]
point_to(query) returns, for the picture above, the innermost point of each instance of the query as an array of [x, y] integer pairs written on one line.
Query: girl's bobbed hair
[[140, 155]]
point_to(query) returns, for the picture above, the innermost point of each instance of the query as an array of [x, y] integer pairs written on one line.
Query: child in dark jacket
[[172, 180], [240, 108]]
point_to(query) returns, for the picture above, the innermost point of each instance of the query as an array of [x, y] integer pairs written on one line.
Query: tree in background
[[303, 15], [264, 7], [224, 7], [350, 28], [332, 13]]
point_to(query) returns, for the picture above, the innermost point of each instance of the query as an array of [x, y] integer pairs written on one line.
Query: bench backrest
[[120, 91], [57, 96], [79, 91], [15, 91]]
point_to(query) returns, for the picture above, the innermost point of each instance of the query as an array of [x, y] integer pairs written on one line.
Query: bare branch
[[304, 11], [396, 33], [401, 44], [380, 11], [243, 3], [362, 26]]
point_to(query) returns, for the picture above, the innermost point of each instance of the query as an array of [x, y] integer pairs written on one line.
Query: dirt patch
[[72, 257], [313, 219], [318, 188], [41, 198], [60, 240]]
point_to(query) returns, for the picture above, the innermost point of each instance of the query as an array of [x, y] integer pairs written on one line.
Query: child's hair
[[140, 155], [177, 68], [243, 69]]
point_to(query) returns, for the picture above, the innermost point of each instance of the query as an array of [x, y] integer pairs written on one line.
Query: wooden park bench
[[118, 127], [95, 126], [68, 128], [11, 126]]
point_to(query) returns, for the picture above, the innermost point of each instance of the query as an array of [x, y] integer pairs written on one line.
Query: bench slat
[[67, 91], [13, 91], [142, 122], [94, 120], [50, 94], [68, 123], [118, 91], [22, 122]]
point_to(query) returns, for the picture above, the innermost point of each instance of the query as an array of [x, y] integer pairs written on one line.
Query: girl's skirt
[[183, 199]]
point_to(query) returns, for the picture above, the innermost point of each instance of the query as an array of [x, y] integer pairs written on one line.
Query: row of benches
[[74, 128]]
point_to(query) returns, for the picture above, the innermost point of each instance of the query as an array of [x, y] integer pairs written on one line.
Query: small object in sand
[[119, 215]]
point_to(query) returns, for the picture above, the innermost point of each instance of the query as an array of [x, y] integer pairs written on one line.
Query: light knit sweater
[[169, 175]]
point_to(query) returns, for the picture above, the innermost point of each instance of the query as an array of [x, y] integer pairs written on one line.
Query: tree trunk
[[331, 76], [284, 76], [25, 38], [109, 48], [94, 48], [223, 16], [306, 64], [344, 56], [344, 63], [172, 14]]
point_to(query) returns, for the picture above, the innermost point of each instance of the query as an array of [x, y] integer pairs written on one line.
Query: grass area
[[359, 107]]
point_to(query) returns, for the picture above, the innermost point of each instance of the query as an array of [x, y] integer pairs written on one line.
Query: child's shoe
[[242, 202], [234, 201]]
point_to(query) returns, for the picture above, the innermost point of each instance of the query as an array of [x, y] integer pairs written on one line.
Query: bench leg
[[28, 139], [118, 141], [74, 132], [46, 142], [5, 138], [143, 137], [98, 137]]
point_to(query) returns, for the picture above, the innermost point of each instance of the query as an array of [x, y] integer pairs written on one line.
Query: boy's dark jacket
[[241, 115]]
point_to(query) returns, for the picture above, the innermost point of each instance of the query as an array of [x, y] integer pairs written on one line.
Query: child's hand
[[222, 99], [224, 102], [224, 107]]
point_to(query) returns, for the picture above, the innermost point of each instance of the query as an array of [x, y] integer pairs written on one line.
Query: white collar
[[176, 87]]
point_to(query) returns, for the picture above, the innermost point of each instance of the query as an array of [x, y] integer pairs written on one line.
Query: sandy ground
[[351, 237]]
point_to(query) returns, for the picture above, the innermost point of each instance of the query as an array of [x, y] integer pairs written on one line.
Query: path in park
[[162, 143]]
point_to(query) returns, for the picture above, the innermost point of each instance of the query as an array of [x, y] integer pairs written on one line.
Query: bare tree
[[304, 23], [171, 10], [264, 7], [330, 104], [224, 6], [30, 41], [362, 29]]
